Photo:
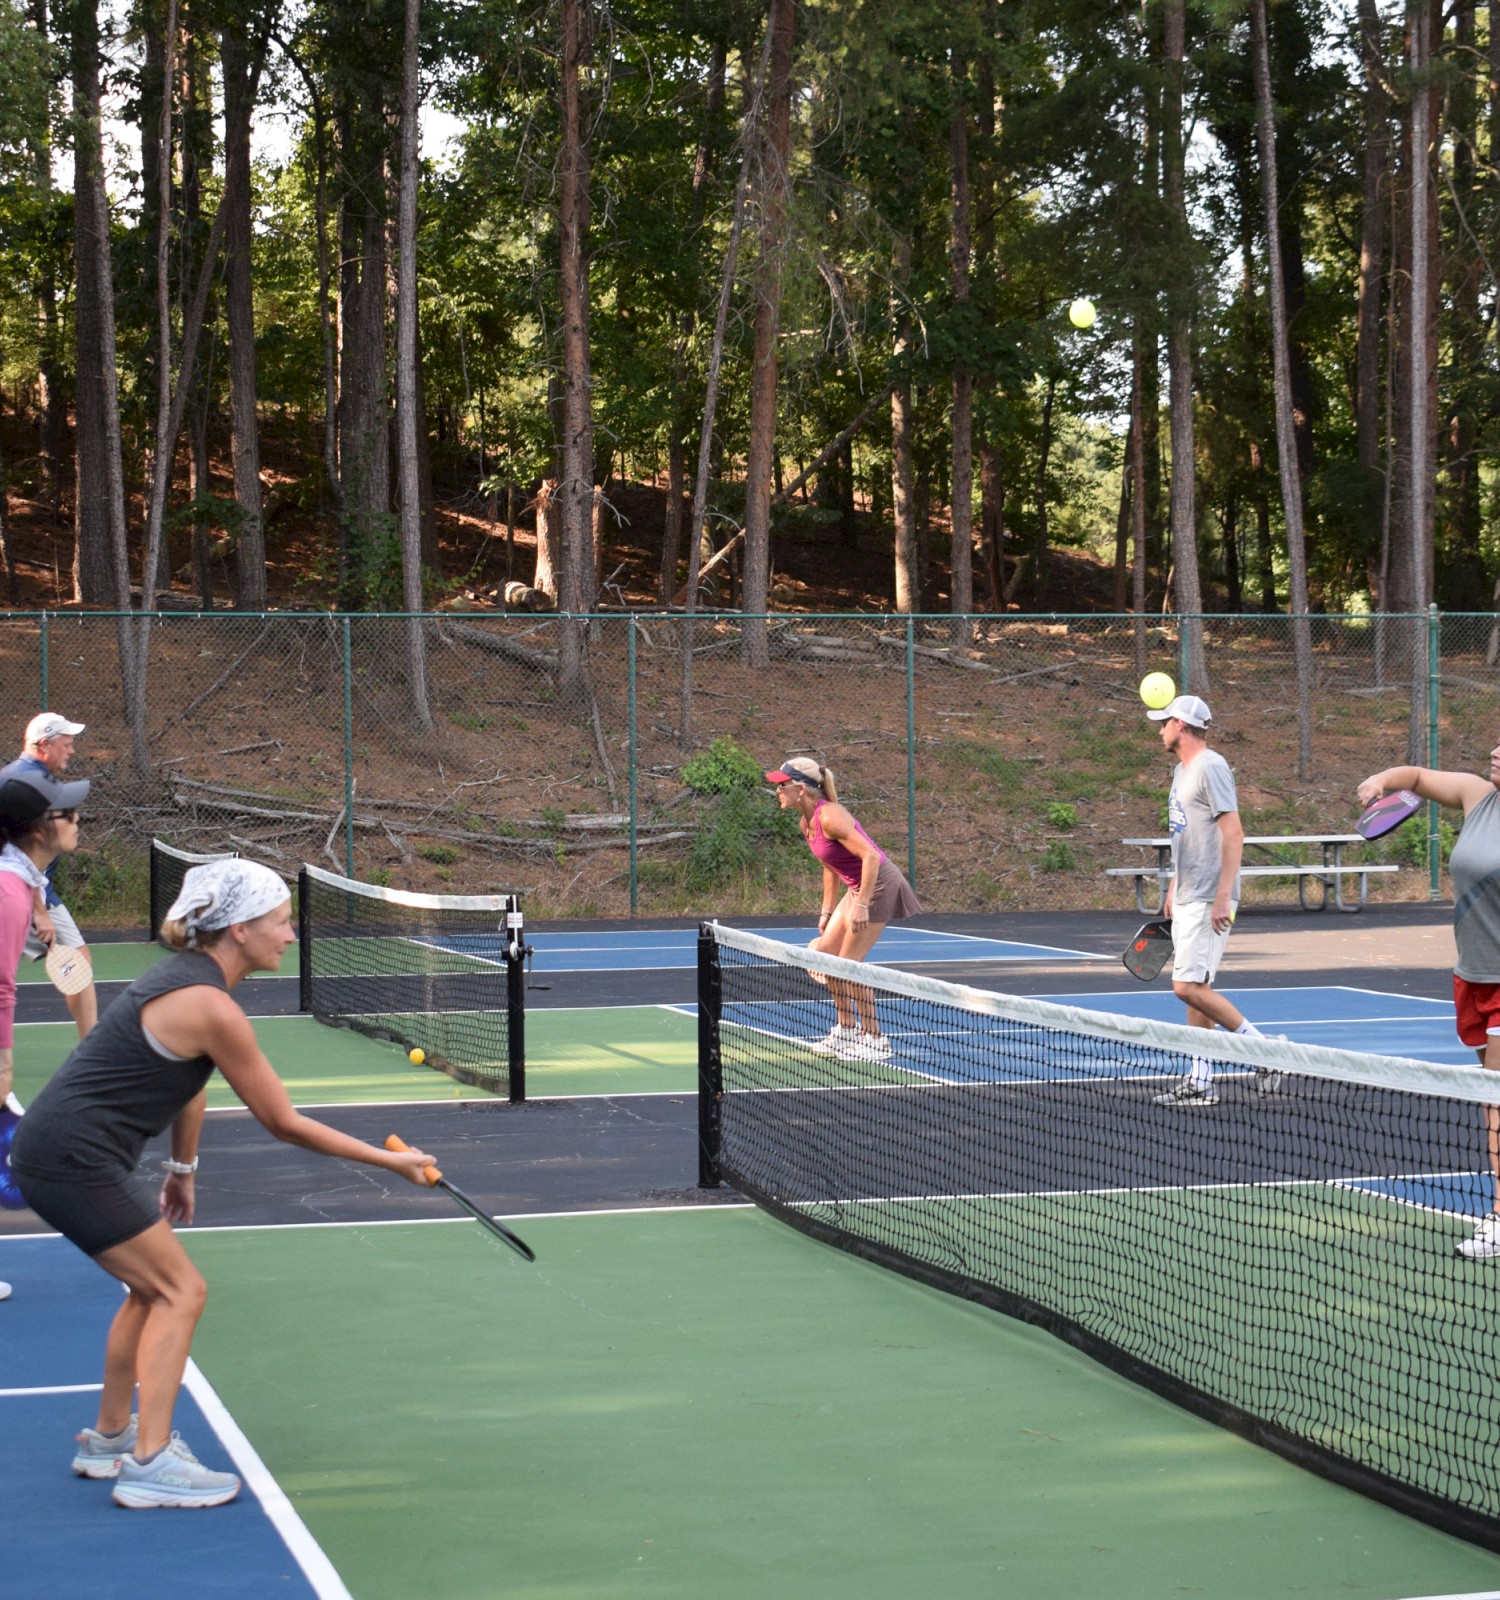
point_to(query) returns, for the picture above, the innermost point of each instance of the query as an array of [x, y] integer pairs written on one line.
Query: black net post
[[157, 906], [710, 1075], [304, 943], [515, 1006]]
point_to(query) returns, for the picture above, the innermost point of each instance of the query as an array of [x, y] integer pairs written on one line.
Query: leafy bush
[[1058, 857], [105, 887], [1060, 815], [724, 768], [443, 855], [745, 834]]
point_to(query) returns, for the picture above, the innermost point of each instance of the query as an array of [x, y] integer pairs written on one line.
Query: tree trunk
[[671, 538], [1367, 392], [52, 396], [1180, 358], [1286, 436], [548, 540], [575, 492], [406, 370], [774, 191], [1140, 345], [244, 427], [903, 509], [99, 578], [992, 523], [961, 550], [1421, 368], [364, 437]]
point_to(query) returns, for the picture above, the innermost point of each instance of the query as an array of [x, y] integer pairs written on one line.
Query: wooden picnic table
[[1273, 859]]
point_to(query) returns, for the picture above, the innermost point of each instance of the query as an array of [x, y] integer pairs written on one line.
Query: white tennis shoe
[[172, 1477], [1187, 1093], [835, 1040], [99, 1454], [867, 1047], [4, 1291], [1486, 1241]]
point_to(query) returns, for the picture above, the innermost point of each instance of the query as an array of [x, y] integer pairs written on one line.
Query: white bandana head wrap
[[223, 892]]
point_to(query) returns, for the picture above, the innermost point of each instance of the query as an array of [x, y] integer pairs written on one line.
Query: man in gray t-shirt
[[1203, 819]]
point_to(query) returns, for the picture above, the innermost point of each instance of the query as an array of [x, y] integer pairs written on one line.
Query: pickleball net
[[169, 866], [1282, 1262], [439, 973]]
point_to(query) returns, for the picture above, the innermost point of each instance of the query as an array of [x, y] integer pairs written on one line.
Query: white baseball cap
[[49, 725], [1186, 708]]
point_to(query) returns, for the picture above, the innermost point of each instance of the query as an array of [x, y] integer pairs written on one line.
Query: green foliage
[[1058, 857], [744, 835], [443, 855], [724, 768], [1063, 816], [107, 887], [1408, 844]]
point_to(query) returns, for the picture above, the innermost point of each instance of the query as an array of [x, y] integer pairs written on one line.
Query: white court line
[[306, 1551], [51, 1388], [1476, 1594]]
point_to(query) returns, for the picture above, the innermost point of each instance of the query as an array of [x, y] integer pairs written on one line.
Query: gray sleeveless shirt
[[1475, 866], [114, 1092]]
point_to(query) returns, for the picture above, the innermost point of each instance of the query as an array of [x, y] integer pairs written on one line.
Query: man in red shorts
[[1475, 866]]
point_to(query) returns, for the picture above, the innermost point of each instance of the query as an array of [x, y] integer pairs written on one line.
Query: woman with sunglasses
[[38, 823], [874, 893]]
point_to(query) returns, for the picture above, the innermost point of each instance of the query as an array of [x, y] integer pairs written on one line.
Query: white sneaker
[[867, 1047], [4, 1291], [172, 1477], [99, 1454], [833, 1042], [1486, 1241], [1187, 1093]]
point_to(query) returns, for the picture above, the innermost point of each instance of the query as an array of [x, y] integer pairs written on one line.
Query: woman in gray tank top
[[1475, 867], [143, 1069]]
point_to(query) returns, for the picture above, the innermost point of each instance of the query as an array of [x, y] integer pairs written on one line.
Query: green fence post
[[348, 752], [911, 750], [43, 705], [1434, 685], [634, 771]]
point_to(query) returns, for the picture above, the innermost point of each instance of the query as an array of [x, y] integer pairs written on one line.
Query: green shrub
[[1060, 815], [724, 768], [105, 887], [1058, 857], [744, 834], [443, 855]]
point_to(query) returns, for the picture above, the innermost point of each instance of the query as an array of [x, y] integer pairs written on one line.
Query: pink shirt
[[17, 902], [835, 855]]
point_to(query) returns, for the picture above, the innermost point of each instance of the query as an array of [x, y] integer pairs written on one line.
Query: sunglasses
[[69, 815]]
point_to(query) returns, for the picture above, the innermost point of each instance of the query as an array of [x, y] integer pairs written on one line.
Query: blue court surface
[[57, 1523], [652, 950]]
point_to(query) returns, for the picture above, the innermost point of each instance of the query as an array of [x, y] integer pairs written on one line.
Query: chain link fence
[[609, 765]]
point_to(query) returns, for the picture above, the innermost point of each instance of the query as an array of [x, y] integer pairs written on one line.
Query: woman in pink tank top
[[875, 892]]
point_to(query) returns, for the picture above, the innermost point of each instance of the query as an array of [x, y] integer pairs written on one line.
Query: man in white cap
[[48, 750], [1208, 839]]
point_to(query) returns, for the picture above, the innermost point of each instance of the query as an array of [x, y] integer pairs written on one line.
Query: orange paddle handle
[[395, 1142]]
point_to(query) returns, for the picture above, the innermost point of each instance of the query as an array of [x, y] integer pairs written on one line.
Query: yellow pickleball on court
[[1157, 690], [416, 1057]]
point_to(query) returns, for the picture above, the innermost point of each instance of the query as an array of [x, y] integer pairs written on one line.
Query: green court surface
[[682, 1404], [613, 1050]]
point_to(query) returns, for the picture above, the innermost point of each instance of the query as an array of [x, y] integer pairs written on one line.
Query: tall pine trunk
[[961, 549], [773, 190], [1286, 432], [1180, 355], [576, 489], [408, 477], [244, 427]]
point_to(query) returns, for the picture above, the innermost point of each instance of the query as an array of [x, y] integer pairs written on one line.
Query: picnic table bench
[[1272, 859]]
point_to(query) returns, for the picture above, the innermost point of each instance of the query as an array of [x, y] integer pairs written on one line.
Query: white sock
[[1202, 1074], [1250, 1028]]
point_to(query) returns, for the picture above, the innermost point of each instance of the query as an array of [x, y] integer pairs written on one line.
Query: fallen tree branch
[[540, 661]]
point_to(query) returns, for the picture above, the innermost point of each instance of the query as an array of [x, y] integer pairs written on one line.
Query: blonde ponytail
[[829, 792]]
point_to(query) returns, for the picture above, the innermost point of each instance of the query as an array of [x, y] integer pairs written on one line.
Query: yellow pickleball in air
[[416, 1057], [1157, 690], [1081, 313]]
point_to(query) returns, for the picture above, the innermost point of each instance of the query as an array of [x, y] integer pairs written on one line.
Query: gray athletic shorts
[[67, 933], [95, 1213]]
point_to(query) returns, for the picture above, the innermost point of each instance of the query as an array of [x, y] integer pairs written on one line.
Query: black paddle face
[[1386, 814], [496, 1227], [1147, 952]]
